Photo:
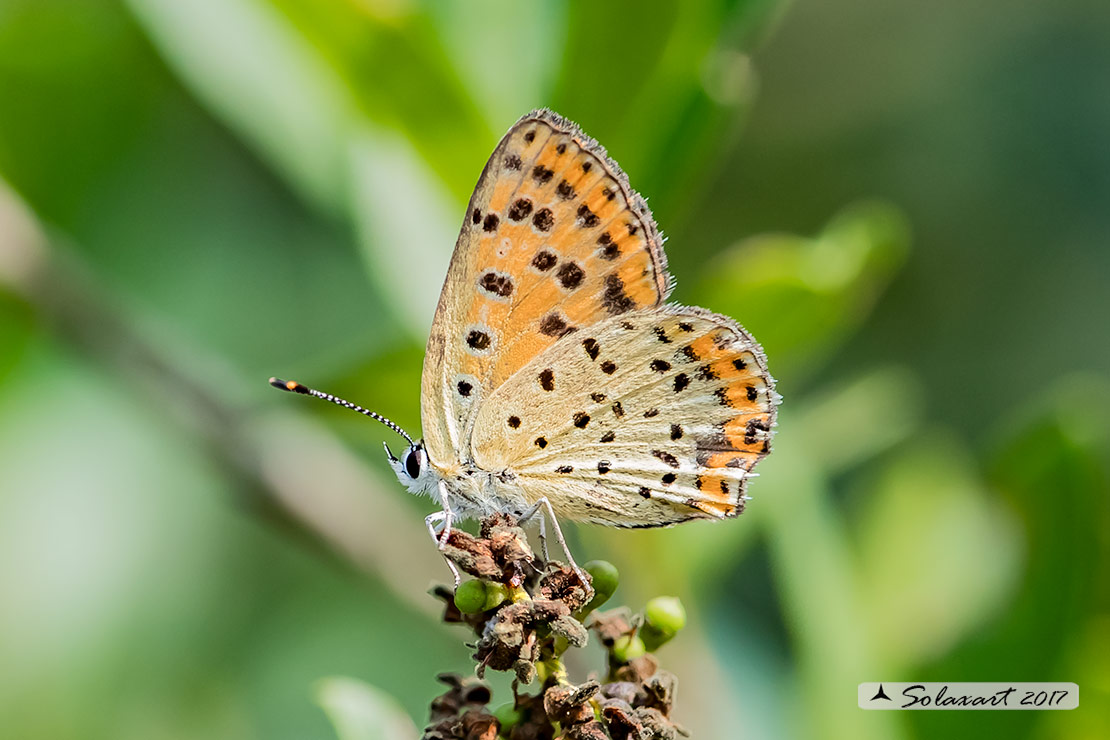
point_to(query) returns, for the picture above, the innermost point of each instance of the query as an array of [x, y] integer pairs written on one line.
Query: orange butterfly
[[557, 376]]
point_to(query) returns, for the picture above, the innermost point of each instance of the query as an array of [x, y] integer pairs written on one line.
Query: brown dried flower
[[527, 634]]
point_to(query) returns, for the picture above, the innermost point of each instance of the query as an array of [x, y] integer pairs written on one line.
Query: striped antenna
[[294, 387]]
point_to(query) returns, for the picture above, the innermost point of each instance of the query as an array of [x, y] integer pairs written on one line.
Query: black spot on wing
[[706, 372], [547, 379], [687, 353], [753, 429], [554, 325], [520, 209], [544, 260], [614, 299], [478, 339], [496, 284], [544, 219], [570, 275], [586, 218], [681, 382], [542, 175], [708, 445], [608, 248]]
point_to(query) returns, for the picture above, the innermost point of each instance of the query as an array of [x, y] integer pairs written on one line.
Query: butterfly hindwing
[[554, 239], [646, 419]]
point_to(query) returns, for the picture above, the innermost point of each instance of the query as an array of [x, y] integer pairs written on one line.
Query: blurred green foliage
[[905, 205]]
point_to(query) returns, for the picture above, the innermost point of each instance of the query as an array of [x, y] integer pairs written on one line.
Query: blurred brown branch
[[286, 471]]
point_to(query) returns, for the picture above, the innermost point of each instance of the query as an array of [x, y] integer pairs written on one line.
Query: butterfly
[[557, 374]]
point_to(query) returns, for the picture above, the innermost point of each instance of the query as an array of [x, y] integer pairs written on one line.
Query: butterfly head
[[412, 468]]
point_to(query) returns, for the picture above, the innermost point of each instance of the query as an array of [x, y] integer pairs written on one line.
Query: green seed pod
[[666, 614], [508, 716], [628, 647], [653, 638], [605, 579], [496, 594], [470, 597]]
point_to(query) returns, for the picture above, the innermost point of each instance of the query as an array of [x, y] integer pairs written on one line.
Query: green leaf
[[801, 297], [508, 51], [814, 567], [20, 255], [362, 116], [358, 711], [1050, 467], [280, 95], [664, 116], [923, 580], [849, 423]]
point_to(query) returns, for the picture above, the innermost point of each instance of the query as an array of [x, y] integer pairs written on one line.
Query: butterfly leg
[[543, 540], [546, 505], [448, 516], [440, 539]]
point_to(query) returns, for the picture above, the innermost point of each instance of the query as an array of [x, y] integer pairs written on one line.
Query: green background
[[908, 204]]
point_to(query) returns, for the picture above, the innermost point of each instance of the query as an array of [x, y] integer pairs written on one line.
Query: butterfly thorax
[[475, 494], [471, 491]]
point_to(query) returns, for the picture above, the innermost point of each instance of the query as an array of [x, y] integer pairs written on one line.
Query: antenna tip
[[288, 385]]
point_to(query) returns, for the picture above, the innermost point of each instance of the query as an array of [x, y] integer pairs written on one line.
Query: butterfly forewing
[[554, 240], [649, 418]]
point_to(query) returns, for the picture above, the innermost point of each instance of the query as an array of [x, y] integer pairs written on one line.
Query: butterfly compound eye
[[412, 463]]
